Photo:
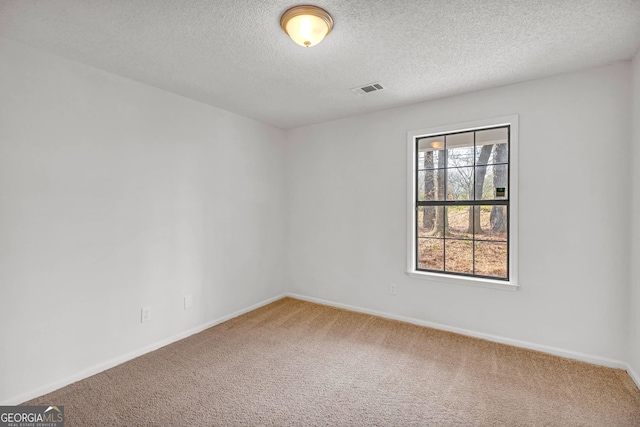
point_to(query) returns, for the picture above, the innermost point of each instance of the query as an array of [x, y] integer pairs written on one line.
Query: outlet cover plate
[[145, 314]]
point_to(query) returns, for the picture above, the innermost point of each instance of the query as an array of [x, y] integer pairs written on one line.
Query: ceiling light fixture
[[306, 25]]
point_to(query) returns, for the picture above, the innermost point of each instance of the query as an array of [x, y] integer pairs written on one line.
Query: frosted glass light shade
[[306, 25]]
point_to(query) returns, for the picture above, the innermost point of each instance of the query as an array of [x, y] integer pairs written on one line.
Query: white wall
[[114, 196], [347, 210], [634, 311]]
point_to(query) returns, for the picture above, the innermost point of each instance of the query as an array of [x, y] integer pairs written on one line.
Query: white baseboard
[[596, 360], [23, 397], [634, 375]]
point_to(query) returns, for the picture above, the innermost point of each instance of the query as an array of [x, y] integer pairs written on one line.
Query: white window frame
[[412, 271]]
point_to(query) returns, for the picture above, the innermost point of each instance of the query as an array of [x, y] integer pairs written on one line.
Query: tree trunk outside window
[[481, 173], [498, 219], [429, 212], [441, 221]]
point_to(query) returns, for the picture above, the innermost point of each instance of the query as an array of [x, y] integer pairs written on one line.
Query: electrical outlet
[[145, 314], [188, 302], [393, 290]]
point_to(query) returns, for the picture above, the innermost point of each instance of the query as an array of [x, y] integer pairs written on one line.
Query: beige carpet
[[298, 363]]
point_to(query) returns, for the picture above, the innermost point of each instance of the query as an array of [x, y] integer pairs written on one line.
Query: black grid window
[[462, 203]]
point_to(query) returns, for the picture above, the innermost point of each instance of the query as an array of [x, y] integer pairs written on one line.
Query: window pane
[[460, 151], [491, 259], [481, 226], [431, 153], [431, 143], [458, 222], [431, 254], [460, 183], [491, 146], [431, 185], [493, 223], [430, 221], [423, 185], [459, 256], [492, 182]]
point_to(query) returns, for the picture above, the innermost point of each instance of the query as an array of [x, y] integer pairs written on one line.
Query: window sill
[[461, 280]]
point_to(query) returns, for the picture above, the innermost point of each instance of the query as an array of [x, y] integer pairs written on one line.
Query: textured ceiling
[[234, 55]]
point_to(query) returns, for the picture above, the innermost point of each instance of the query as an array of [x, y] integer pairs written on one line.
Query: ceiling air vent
[[370, 88]]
